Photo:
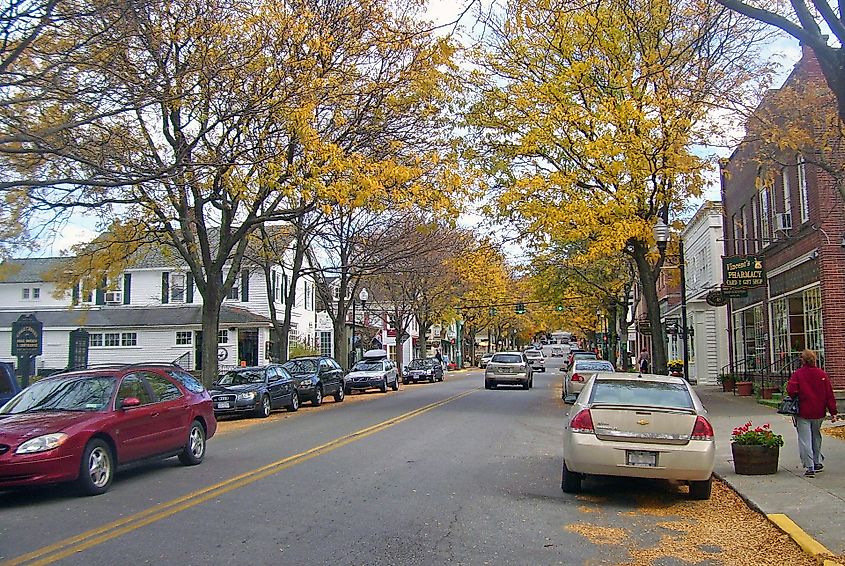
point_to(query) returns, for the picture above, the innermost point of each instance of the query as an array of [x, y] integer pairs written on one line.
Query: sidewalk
[[814, 504]]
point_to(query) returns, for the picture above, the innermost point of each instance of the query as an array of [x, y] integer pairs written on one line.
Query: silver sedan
[[649, 426]]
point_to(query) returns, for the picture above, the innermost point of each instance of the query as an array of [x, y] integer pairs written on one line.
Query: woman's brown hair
[[808, 358]]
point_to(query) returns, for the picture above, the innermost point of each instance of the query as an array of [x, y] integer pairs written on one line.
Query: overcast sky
[[440, 12]]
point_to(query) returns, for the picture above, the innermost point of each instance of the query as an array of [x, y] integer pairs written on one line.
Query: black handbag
[[789, 406]]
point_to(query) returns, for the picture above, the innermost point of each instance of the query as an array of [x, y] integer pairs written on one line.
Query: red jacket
[[814, 391]]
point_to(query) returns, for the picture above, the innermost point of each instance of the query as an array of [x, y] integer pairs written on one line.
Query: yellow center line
[[99, 535]]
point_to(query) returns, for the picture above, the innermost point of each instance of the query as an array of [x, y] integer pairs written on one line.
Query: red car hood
[[29, 425]]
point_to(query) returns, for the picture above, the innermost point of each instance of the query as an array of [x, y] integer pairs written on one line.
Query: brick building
[[784, 206]]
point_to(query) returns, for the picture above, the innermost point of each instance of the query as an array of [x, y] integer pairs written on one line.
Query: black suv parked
[[316, 377]]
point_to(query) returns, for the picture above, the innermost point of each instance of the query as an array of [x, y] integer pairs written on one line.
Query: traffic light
[[559, 308], [520, 308]]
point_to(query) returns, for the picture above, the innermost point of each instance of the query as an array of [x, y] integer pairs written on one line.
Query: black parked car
[[419, 369], [316, 377], [257, 390]]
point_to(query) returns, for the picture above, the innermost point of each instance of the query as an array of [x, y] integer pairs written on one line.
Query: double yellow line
[[94, 537]]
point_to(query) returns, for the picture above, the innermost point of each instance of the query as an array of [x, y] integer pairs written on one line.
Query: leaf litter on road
[[722, 530]]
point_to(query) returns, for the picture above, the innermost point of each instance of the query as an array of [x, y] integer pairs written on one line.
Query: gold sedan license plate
[[640, 458]]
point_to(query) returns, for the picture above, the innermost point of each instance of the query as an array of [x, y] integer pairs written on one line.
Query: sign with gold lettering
[[26, 336], [743, 272]]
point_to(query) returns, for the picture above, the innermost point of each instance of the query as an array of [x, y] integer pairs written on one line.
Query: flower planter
[[744, 388], [767, 392], [728, 385], [754, 459]]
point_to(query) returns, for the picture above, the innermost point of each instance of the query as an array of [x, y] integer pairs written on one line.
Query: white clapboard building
[[151, 313]]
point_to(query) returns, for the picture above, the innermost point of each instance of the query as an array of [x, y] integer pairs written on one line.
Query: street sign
[[743, 272]]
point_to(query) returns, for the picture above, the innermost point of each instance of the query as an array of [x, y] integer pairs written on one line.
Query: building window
[[184, 338], [129, 339], [222, 336], [743, 211], [802, 189], [234, 293], [36, 293], [25, 294], [177, 287], [764, 216], [95, 340], [326, 344], [813, 329], [752, 242], [787, 192], [111, 339]]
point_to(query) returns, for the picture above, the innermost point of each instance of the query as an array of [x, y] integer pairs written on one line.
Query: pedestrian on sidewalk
[[644, 360], [811, 385]]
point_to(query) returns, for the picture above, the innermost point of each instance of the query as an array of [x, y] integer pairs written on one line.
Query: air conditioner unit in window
[[783, 221], [114, 297]]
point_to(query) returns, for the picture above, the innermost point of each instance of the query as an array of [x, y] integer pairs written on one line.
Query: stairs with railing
[[771, 376]]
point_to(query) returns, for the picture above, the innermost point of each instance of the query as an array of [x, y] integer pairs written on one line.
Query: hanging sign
[[743, 272]]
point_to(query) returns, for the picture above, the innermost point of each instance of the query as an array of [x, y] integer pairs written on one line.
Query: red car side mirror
[[130, 402]]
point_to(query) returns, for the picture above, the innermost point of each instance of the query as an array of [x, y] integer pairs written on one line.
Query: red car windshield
[[77, 394]]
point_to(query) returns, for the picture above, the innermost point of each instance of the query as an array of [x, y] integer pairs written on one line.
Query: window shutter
[[284, 287], [245, 285], [189, 288], [127, 288], [273, 286], [165, 288], [74, 296], [100, 295]]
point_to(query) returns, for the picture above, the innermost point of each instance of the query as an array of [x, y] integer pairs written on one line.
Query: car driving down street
[[428, 369]]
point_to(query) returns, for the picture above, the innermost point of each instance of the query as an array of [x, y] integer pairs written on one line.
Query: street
[[433, 474]]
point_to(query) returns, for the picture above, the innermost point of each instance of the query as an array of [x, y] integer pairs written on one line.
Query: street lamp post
[[661, 236], [362, 296]]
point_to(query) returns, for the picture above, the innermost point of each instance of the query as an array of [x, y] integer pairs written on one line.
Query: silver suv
[[537, 359], [508, 368]]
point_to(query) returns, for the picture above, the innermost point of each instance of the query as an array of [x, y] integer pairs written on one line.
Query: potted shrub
[[728, 380], [676, 367], [744, 388], [755, 449]]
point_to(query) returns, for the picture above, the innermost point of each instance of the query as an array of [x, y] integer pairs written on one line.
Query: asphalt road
[[444, 473]]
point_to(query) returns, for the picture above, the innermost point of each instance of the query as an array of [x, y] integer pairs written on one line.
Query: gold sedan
[[645, 426]]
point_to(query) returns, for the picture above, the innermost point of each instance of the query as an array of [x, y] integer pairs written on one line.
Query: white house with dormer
[[151, 313], [708, 339]]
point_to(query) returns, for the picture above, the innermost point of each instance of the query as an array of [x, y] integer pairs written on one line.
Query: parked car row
[[82, 426]]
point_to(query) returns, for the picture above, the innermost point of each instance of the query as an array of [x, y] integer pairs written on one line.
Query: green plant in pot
[[728, 380], [755, 449]]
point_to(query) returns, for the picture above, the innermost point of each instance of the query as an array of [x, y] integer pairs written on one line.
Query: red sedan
[[80, 426]]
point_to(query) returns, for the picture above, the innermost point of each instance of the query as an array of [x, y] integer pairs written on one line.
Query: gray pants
[[809, 441]]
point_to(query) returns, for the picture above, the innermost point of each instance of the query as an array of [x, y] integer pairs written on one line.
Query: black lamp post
[[661, 236], [362, 296]]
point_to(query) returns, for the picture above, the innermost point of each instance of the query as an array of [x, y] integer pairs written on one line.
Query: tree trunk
[[648, 282], [212, 300], [341, 342], [612, 335]]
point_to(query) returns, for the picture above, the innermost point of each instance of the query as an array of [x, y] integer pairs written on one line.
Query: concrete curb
[[807, 543]]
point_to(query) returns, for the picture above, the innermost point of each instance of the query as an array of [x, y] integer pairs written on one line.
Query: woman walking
[[815, 396]]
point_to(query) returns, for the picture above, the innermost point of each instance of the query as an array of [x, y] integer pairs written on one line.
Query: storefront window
[[813, 322], [780, 329], [750, 338]]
